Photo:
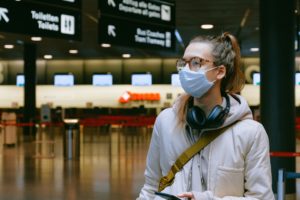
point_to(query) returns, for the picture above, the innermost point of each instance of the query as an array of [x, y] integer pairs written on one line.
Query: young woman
[[236, 164]]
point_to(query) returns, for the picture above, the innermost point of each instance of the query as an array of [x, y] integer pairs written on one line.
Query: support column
[[277, 91], [29, 89]]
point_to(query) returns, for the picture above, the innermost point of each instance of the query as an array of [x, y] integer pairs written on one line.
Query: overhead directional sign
[[40, 20], [120, 32], [147, 11], [138, 23], [111, 30], [67, 3], [111, 3], [3, 14]]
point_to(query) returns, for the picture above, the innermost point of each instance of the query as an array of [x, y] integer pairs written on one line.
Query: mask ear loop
[[211, 69], [218, 67], [213, 82]]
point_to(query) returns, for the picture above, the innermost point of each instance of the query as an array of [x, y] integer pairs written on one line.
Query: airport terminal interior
[[104, 70]]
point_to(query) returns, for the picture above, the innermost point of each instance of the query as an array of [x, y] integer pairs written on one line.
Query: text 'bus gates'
[[40, 20], [137, 23]]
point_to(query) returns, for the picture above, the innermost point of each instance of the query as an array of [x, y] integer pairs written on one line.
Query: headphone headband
[[227, 108]]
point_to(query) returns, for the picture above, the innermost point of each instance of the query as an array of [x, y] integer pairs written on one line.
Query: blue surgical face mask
[[195, 83]]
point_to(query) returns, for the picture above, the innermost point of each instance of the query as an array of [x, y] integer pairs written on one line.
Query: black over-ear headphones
[[197, 119]]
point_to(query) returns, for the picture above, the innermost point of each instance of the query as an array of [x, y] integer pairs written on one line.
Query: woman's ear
[[221, 72]]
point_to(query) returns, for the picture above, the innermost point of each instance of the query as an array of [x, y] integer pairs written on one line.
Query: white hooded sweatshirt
[[235, 166]]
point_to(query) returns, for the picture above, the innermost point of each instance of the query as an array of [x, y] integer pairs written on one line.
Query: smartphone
[[167, 196]]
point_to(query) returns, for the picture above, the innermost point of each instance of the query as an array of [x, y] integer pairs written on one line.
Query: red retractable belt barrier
[[297, 123], [123, 120], [119, 120], [30, 124], [51, 123], [284, 154], [17, 124]]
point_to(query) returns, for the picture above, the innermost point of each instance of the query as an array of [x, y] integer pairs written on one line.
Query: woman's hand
[[188, 195]]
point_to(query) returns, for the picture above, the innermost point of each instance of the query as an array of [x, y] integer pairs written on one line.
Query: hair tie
[[225, 37]]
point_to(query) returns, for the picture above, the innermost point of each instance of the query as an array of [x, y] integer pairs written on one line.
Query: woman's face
[[203, 51]]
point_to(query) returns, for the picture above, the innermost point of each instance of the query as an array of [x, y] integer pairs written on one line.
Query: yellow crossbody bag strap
[[188, 154]]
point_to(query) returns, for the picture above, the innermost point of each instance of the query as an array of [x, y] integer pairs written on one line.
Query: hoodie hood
[[239, 109]]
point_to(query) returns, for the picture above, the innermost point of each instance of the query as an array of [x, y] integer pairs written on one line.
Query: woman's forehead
[[198, 49]]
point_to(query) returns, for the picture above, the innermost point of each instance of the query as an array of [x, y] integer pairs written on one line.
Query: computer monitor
[[20, 80], [175, 80], [141, 79], [297, 78], [256, 78], [63, 79], [102, 79]]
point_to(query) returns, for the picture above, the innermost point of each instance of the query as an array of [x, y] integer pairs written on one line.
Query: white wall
[[82, 96]]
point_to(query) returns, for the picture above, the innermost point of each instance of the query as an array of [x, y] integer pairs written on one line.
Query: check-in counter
[[87, 96]]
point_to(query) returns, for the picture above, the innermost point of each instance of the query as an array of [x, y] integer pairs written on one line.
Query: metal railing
[[282, 176]]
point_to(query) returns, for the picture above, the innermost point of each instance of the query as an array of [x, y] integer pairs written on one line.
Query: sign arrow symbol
[[111, 30], [111, 3], [3, 15]]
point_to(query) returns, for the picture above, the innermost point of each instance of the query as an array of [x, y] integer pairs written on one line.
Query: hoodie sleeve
[[153, 171], [258, 179]]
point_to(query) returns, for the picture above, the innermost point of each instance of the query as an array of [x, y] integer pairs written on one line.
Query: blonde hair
[[225, 51]]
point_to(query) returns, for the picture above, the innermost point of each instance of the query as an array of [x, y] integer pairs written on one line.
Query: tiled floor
[[111, 166]]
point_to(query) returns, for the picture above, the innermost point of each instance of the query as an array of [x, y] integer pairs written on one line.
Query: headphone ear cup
[[195, 117], [216, 117]]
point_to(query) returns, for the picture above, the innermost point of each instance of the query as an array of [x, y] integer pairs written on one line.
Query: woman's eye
[[195, 63]]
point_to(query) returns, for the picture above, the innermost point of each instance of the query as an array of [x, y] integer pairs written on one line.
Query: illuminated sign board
[[141, 79], [102, 79], [297, 78], [147, 11], [39, 20], [138, 23], [256, 78], [63, 79], [134, 34], [20, 80], [175, 81]]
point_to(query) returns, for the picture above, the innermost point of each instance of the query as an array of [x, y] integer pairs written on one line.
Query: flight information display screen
[[141, 79], [63, 79], [102, 79], [256, 78], [297, 78], [20, 80], [175, 81]]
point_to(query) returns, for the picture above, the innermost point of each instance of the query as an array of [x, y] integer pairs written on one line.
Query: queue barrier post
[[283, 175], [71, 139]]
